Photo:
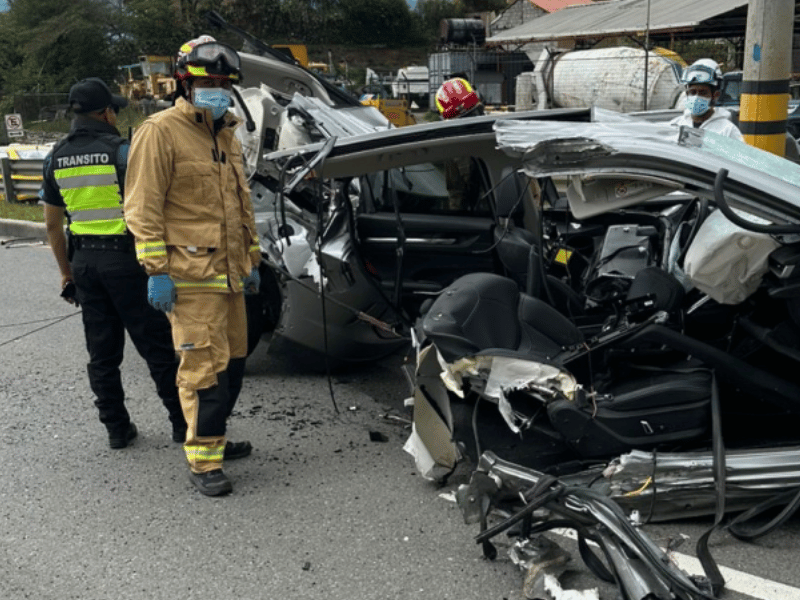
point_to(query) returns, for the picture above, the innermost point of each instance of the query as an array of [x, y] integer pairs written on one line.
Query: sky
[[3, 5]]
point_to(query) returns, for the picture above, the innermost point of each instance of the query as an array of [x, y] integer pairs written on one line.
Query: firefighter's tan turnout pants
[[209, 331]]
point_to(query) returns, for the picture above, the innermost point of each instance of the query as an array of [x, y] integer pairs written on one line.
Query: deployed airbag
[[725, 261]]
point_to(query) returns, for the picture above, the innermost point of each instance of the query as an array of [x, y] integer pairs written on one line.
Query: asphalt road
[[318, 511]]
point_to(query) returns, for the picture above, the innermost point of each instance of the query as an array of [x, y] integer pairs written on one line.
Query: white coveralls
[[719, 122]]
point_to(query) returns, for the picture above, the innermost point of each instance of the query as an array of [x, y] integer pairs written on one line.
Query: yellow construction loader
[[150, 78]]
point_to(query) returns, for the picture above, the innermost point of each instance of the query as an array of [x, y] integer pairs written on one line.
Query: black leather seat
[[481, 312], [514, 244]]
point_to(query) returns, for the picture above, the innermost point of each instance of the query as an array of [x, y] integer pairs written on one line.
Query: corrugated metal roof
[[618, 17], [552, 6]]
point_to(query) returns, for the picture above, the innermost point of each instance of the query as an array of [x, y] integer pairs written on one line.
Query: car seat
[[486, 314], [518, 250]]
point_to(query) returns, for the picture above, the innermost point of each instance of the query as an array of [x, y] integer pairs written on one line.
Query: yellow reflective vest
[[83, 171]]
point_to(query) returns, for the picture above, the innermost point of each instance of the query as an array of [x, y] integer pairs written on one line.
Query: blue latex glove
[[252, 282], [161, 292]]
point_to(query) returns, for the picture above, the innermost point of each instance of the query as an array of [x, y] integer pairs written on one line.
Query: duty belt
[[112, 243]]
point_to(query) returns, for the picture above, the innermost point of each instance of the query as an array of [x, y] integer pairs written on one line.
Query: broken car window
[[440, 188]]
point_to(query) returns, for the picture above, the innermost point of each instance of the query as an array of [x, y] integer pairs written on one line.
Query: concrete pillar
[[767, 68]]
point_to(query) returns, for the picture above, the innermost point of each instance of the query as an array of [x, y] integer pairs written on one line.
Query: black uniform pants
[[112, 291]]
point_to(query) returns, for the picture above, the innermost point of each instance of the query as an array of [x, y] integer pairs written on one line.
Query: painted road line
[[738, 581]]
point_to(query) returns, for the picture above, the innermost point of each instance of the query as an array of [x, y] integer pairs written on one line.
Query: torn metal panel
[[494, 378], [604, 147], [503, 375], [640, 568], [655, 487], [637, 578], [431, 441], [545, 381], [667, 486]]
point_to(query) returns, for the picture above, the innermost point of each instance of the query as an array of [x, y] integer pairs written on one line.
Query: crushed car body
[[660, 363]]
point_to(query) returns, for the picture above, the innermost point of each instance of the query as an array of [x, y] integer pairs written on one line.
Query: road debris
[[22, 242], [639, 567]]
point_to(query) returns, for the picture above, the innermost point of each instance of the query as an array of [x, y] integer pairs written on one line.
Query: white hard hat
[[705, 71]]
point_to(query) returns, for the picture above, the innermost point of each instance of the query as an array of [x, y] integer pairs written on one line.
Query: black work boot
[[120, 437], [212, 483], [234, 450]]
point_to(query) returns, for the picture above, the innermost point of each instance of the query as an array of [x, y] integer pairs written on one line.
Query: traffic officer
[[188, 205], [703, 81], [83, 180]]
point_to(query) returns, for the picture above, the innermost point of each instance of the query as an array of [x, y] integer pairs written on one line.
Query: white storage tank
[[613, 78]]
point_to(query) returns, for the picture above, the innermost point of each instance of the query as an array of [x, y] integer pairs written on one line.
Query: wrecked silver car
[[371, 220]]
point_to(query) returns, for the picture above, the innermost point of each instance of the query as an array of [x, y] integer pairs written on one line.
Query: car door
[[421, 226]]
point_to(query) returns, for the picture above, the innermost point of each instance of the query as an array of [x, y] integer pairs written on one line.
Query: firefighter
[[703, 81], [83, 179], [188, 205], [456, 98]]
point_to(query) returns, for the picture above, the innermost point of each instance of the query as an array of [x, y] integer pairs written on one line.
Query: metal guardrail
[[21, 170]]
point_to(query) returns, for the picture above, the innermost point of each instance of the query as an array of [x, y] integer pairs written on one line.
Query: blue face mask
[[217, 100], [697, 105]]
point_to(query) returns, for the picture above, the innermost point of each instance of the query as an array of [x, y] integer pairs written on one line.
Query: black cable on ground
[[53, 322]]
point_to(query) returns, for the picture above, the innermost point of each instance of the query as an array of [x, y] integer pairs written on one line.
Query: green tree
[[261, 18], [151, 27], [433, 11], [50, 44], [387, 22]]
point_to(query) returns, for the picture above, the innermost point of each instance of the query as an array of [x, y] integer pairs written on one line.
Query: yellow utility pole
[[767, 65]]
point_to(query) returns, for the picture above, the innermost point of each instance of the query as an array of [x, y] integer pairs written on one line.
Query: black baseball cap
[[93, 94]]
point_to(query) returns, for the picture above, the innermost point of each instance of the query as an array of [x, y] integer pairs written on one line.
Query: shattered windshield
[[744, 154]]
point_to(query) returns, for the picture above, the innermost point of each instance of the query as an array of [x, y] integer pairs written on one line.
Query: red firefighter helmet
[[456, 98]]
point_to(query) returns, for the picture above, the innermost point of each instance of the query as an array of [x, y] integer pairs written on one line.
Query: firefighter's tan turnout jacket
[[187, 201]]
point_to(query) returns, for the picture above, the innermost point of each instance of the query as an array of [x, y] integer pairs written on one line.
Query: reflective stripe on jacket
[[187, 201]]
